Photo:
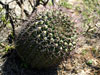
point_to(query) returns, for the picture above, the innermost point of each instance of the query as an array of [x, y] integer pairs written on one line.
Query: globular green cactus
[[46, 40]]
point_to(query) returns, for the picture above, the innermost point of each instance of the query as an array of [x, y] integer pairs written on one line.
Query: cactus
[[45, 41]]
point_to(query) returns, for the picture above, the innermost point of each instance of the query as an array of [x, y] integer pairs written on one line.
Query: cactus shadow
[[12, 66]]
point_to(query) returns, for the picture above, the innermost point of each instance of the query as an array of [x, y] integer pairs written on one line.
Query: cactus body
[[46, 40]]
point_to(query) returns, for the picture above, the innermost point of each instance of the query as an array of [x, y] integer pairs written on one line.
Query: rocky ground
[[84, 60]]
